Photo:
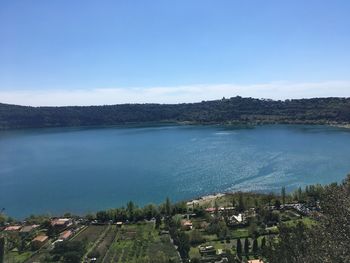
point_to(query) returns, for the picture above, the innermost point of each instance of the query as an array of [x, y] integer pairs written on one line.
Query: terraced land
[[90, 234], [129, 244], [100, 249], [140, 243]]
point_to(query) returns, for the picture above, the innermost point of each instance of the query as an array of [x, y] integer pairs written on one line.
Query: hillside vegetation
[[310, 225], [234, 110]]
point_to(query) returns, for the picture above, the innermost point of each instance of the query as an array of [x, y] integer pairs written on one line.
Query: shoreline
[[249, 124], [205, 198], [344, 126]]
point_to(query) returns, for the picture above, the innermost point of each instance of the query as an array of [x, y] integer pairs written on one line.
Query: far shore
[[345, 126]]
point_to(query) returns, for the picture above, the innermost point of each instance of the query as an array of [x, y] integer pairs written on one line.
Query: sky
[[63, 52]]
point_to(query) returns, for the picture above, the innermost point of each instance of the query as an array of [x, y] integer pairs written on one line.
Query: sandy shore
[[205, 199], [345, 125]]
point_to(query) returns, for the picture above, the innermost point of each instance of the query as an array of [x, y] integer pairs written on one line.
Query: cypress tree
[[263, 246], [255, 247], [241, 206], [283, 193], [233, 202], [158, 221], [168, 209], [239, 248], [216, 208], [2, 249], [246, 246]]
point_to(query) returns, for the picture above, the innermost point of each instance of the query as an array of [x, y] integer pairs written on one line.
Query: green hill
[[233, 110]]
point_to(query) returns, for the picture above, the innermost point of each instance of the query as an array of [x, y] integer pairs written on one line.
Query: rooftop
[[41, 238], [12, 228], [27, 229], [60, 221], [66, 234]]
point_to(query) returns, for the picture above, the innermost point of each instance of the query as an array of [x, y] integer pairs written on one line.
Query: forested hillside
[[233, 110]]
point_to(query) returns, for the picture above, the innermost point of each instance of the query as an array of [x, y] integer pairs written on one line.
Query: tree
[[239, 248], [102, 216], [230, 256], [158, 221], [219, 228], [160, 257], [71, 257], [176, 220], [292, 246], [22, 245], [246, 246], [236, 109], [277, 204], [196, 237], [2, 249], [241, 205], [255, 247], [283, 194], [90, 217], [216, 206], [331, 236], [263, 246], [183, 244], [269, 197], [168, 209], [130, 210], [327, 241], [150, 211], [70, 251], [253, 229], [299, 195], [233, 201]]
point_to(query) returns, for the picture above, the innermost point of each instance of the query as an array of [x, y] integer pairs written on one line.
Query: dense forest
[[232, 110]]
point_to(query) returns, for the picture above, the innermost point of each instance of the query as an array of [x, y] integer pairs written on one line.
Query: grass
[[15, 257], [240, 233], [194, 252], [210, 237], [305, 220]]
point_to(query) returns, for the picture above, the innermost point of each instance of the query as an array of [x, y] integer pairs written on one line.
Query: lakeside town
[[231, 227]]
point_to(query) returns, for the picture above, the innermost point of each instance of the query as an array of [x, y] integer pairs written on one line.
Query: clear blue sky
[[83, 46]]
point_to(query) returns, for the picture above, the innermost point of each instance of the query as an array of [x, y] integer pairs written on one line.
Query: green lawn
[[240, 233], [306, 220]]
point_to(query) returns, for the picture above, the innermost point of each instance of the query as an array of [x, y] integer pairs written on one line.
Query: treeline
[[328, 240], [133, 213], [234, 110]]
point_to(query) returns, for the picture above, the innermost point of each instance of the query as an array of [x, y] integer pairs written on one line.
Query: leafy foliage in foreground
[[328, 241], [69, 252], [233, 110]]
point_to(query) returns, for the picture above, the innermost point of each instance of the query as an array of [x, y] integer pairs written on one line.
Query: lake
[[83, 170]]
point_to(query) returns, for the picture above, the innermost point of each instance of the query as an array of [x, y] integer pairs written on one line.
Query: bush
[[94, 254], [196, 237]]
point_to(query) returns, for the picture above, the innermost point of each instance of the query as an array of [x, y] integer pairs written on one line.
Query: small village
[[217, 228]]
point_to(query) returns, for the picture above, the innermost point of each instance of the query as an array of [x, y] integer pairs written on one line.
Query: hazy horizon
[[56, 53], [175, 95]]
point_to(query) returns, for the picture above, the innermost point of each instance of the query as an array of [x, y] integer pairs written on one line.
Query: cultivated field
[[140, 243]]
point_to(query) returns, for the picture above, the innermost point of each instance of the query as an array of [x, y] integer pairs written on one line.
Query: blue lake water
[[86, 169]]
